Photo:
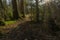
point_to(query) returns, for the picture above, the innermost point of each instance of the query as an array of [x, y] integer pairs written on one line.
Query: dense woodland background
[[36, 18]]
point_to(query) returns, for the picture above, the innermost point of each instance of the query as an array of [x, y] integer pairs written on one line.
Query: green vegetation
[[9, 22], [37, 14]]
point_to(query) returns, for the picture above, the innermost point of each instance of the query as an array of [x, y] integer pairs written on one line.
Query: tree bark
[[37, 11], [15, 11], [2, 10], [22, 7]]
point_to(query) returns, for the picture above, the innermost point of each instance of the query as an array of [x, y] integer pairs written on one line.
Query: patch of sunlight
[[9, 22]]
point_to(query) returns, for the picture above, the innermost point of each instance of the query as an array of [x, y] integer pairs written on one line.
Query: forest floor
[[27, 30], [9, 26]]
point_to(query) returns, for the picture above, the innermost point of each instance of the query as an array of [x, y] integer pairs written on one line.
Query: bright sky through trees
[[44, 1], [8, 1]]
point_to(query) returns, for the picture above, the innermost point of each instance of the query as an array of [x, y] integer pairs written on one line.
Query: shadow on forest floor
[[31, 31]]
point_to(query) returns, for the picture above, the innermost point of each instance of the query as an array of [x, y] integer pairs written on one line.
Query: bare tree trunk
[[15, 11], [22, 7], [37, 11], [1, 10]]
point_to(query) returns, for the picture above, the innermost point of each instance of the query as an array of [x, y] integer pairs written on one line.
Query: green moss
[[9, 22]]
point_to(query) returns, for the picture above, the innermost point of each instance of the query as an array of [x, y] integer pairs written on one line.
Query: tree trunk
[[15, 11], [1, 10], [22, 7], [37, 11]]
